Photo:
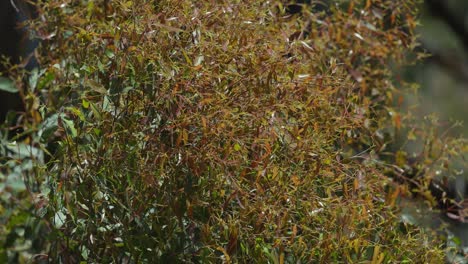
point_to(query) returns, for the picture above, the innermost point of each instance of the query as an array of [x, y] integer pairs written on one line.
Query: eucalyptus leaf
[[70, 127], [33, 78], [22, 150], [59, 219], [48, 126], [7, 85]]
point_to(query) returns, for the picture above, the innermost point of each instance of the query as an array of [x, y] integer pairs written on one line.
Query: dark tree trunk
[[16, 46], [9, 48]]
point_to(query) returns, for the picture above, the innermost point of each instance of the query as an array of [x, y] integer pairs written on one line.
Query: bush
[[221, 130]]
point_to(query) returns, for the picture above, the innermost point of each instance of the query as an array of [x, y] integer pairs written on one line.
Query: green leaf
[[457, 241], [49, 126], [22, 150], [96, 86], [33, 78], [45, 80], [17, 186], [59, 219], [237, 147], [77, 112], [70, 127], [85, 103], [7, 85]]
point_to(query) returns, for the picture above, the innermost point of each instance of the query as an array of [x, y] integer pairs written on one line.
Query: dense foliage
[[201, 131]]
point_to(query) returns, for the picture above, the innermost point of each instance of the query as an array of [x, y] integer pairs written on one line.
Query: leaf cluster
[[222, 130]]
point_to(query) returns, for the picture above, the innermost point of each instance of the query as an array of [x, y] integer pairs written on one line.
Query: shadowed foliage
[[208, 131]]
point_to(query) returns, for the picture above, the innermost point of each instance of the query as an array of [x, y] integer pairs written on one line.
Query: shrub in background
[[222, 130]]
